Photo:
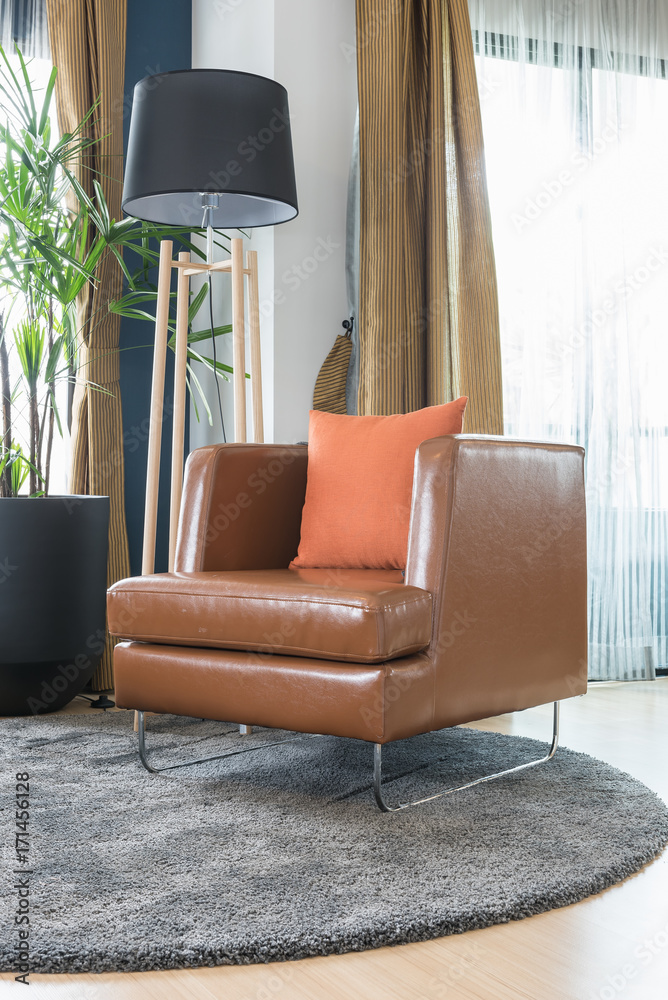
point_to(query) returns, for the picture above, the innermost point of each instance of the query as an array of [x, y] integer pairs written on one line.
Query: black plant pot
[[53, 573]]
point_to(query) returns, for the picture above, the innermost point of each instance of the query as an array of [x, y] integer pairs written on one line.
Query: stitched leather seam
[[124, 594], [446, 533]]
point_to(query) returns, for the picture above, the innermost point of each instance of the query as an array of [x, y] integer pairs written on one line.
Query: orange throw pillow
[[360, 480]]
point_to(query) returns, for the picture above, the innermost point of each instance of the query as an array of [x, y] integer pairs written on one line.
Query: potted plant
[[53, 549]]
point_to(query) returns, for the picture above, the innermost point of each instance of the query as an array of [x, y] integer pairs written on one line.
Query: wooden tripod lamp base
[[187, 191], [186, 269]]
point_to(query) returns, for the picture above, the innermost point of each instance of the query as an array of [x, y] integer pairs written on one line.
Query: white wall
[[307, 45]]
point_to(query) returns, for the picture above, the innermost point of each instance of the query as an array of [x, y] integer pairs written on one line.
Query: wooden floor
[[609, 946]]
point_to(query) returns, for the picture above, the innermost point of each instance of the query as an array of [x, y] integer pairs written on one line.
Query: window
[[576, 151]]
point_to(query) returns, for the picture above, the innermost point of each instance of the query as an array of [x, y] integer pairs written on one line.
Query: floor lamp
[[208, 149]]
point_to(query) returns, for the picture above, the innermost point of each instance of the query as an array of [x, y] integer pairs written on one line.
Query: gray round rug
[[283, 854]]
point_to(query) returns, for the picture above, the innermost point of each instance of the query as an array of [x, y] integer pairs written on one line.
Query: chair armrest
[[241, 507], [498, 537]]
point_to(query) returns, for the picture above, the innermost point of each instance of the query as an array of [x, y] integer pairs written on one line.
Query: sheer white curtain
[[574, 101], [23, 23]]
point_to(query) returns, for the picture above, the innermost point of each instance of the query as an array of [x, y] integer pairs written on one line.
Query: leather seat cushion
[[362, 616]]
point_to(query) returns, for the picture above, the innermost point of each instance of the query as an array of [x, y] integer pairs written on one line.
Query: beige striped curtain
[[88, 47], [428, 310]]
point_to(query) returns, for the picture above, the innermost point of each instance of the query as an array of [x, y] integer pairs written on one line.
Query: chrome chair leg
[[378, 767], [141, 733]]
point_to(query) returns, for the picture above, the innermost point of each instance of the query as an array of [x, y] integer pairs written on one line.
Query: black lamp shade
[[210, 131]]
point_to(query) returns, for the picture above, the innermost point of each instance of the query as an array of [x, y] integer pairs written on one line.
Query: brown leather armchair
[[490, 618]]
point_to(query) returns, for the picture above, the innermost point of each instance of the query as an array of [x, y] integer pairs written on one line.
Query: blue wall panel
[[159, 39]]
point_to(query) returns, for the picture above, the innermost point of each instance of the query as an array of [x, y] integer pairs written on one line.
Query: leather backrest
[[241, 508]]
